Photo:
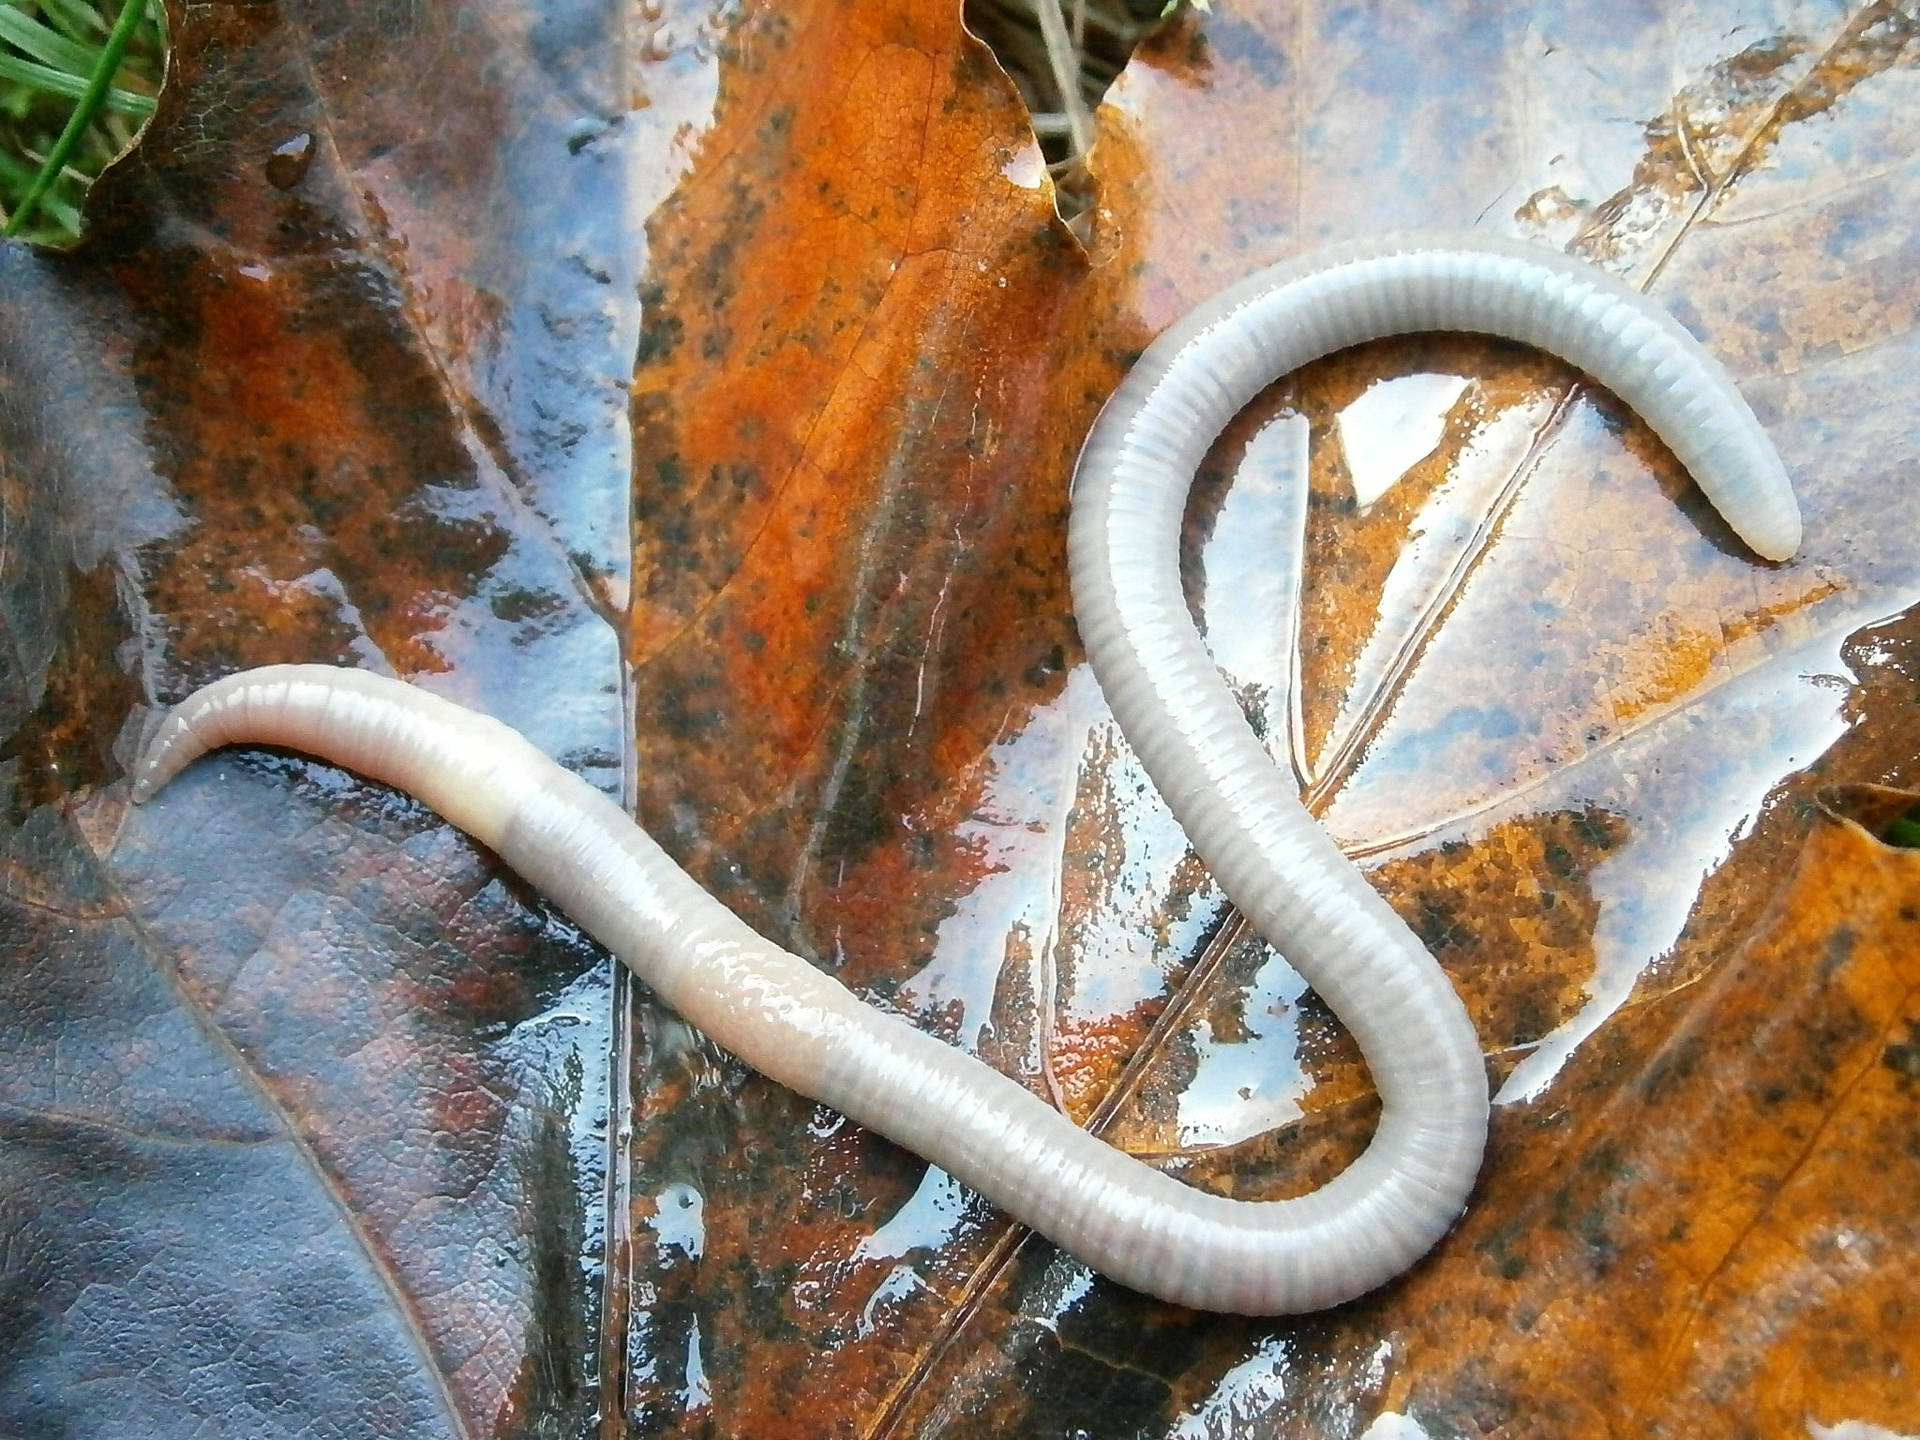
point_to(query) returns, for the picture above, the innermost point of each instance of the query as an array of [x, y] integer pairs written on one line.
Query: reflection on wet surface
[[1255, 535], [677, 1219], [1851, 1430], [1648, 889], [1262, 1374], [1393, 426], [1247, 1078], [287, 166], [1082, 862], [1444, 528], [1393, 1425], [925, 1222]]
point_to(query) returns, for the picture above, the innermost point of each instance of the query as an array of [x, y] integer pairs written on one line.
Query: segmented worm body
[[805, 1030]]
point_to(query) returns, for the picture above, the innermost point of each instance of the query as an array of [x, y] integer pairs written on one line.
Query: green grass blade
[[73, 18], [44, 43], [98, 84], [58, 82]]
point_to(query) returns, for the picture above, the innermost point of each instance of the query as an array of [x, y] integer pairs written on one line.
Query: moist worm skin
[[806, 1030]]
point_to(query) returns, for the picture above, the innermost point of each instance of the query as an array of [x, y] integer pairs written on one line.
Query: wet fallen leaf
[[316, 1120]]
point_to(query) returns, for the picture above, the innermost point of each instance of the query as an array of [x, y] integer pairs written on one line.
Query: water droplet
[[288, 164]]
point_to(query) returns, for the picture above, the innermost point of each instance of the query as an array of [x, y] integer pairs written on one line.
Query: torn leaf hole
[[79, 81], [1062, 55]]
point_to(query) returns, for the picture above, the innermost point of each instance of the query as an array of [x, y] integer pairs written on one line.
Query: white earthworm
[[806, 1030]]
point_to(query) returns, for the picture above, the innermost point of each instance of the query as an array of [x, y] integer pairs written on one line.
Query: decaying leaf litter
[[952, 824]]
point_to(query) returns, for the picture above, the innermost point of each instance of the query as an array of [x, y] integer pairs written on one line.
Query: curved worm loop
[[809, 1032]]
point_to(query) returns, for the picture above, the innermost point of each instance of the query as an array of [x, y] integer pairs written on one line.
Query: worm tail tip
[[1780, 541]]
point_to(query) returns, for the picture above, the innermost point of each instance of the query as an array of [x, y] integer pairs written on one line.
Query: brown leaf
[[1521, 668], [304, 1097]]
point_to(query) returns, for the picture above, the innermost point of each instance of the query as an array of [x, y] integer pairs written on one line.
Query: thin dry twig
[[1063, 56]]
